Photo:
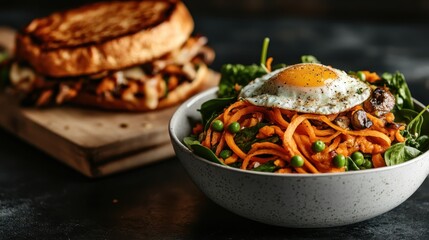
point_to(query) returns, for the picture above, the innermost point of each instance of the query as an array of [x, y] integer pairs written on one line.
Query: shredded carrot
[[378, 161], [232, 159], [303, 143], [267, 145], [230, 108], [308, 128], [297, 132], [371, 77], [260, 152], [229, 139], [265, 131], [284, 170], [207, 142], [215, 138], [277, 115], [323, 132], [197, 129], [220, 145], [279, 163], [390, 117], [399, 136], [268, 63]]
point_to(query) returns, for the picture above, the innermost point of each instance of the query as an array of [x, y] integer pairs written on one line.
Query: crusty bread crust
[[185, 90], [104, 36]]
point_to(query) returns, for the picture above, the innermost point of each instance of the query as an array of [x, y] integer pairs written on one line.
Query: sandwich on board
[[120, 55]]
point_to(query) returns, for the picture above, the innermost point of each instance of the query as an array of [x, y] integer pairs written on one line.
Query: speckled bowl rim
[[191, 102]]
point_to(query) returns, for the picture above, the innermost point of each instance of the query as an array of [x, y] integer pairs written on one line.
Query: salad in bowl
[[308, 118], [304, 145]]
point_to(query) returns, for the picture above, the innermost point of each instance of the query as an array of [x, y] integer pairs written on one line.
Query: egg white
[[335, 96]]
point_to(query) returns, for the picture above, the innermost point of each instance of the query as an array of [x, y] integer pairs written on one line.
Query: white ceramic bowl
[[296, 200]]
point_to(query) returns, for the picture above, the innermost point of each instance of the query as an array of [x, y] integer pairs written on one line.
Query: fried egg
[[307, 88]]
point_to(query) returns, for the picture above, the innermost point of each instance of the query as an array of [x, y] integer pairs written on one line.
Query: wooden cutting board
[[95, 143]]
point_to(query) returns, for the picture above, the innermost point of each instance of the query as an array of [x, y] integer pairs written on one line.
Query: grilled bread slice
[[104, 36]]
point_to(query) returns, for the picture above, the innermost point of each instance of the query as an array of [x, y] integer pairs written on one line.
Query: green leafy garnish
[[399, 153], [309, 59], [247, 136], [404, 115], [264, 52], [190, 140], [210, 109], [398, 86], [237, 74], [415, 125], [415, 143], [206, 153]]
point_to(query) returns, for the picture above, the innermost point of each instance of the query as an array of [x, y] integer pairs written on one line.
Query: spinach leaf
[[404, 115], [193, 144], [309, 59], [415, 125], [247, 136], [205, 153], [266, 167], [399, 153], [211, 108], [190, 140], [398, 86], [422, 142]]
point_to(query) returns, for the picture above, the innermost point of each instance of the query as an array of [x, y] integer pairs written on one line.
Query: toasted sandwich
[[119, 55]]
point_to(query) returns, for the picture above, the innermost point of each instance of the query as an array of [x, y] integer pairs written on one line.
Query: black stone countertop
[[42, 199]]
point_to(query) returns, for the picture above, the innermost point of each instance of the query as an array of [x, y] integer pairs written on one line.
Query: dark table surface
[[42, 199]]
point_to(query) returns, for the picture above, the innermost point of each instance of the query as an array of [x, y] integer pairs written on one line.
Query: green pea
[[225, 154], [367, 164], [234, 127], [361, 75], [217, 125], [339, 160], [358, 158], [296, 161], [318, 146]]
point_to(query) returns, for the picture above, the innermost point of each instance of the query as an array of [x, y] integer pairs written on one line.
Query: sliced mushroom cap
[[342, 122], [360, 120], [380, 102]]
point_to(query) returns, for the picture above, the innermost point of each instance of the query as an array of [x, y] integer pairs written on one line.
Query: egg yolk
[[306, 75]]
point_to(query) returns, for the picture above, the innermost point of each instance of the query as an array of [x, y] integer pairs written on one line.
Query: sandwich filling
[[143, 85]]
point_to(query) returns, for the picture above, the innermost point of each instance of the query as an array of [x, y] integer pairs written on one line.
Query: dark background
[[379, 10]]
